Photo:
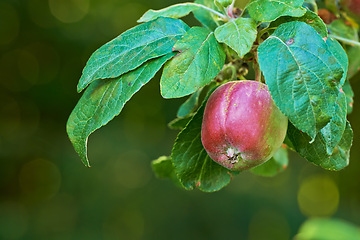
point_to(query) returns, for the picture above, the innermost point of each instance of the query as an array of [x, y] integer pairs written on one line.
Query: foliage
[[286, 43], [327, 229]]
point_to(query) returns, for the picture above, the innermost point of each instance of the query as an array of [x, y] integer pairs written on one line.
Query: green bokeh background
[[46, 192]]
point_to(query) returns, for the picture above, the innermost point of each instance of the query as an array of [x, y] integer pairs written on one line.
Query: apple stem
[[262, 32], [233, 70], [228, 53], [345, 40]]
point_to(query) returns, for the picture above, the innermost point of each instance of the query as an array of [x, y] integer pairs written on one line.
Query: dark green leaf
[[353, 53], [174, 11], [132, 48], [200, 59], [302, 74], [288, 143], [334, 130], [179, 123], [340, 54], [278, 163], [269, 10], [193, 166], [189, 105], [328, 229], [239, 34], [206, 18], [349, 96], [103, 100], [316, 153], [164, 169], [340, 28], [310, 18]]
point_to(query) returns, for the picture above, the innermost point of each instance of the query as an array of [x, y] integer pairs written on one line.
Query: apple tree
[[261, 80]]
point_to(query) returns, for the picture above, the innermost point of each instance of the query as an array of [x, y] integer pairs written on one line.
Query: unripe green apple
[[242, 127]]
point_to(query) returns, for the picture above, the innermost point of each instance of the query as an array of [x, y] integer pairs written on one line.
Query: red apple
[[352, 6], [327, 16], [242, 127]]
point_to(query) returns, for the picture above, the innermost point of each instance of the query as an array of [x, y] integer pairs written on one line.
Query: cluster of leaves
[[286, 42]]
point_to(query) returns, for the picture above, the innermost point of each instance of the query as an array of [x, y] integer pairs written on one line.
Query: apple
[[352, 7], [242, 127], [327, 16]]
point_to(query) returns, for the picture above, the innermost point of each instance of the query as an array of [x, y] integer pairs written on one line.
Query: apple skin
[[352, 6], [327, 16], [242, 127]]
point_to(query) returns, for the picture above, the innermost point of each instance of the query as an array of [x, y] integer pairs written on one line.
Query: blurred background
[[47, 193]]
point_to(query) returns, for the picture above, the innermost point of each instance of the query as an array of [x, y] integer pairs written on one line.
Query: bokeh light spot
[[69, 11], [9, 27], [39, 179], [318, 196]]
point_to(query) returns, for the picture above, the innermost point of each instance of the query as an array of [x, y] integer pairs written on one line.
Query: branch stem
[[345, 40], [211, 10], [257, 68]]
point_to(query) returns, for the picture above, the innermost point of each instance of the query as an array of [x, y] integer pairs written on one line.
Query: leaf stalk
[[345, 40], [211, 10]]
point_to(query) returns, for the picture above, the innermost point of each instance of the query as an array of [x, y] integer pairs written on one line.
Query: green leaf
[[224, 3], [278, 163], [328, 229], [132, 48], [332, 6], [189, 105], [316, 152], [103, 100], [174, 11], [302, 74], [179, 123], [310, 18], [200, 59], [340, 28], [349, 96], [269, 10], [334, 130], [341, 56], [164, 169], [311, 5], [193, 166], [239, 34], [206, 18], [353, 53], [348, 63]]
